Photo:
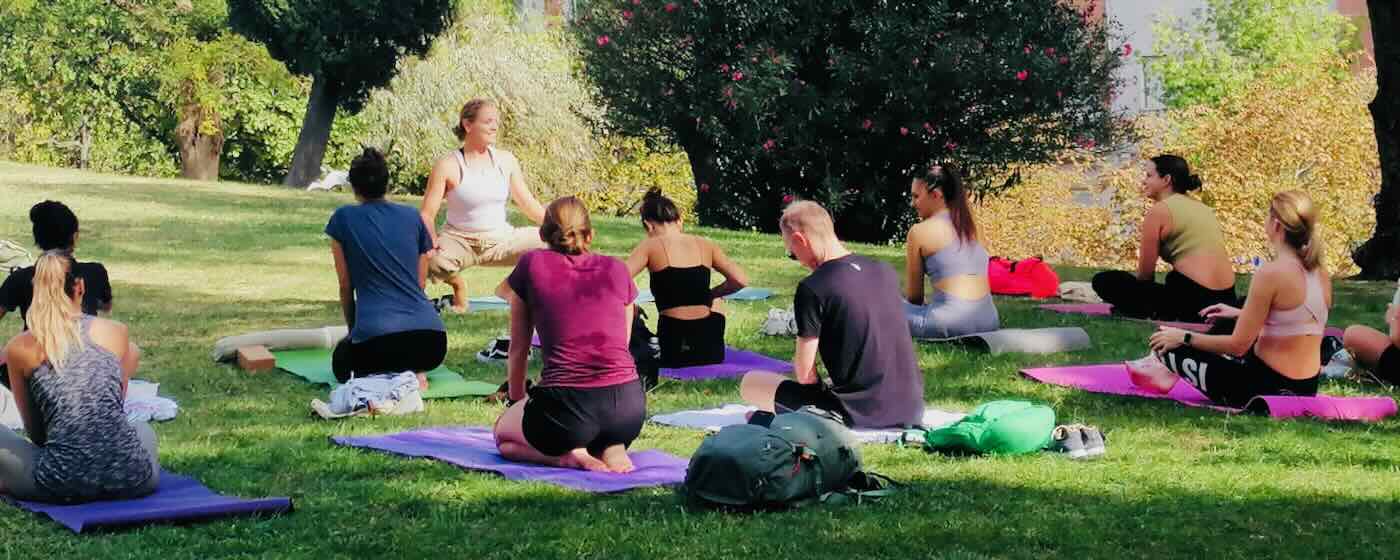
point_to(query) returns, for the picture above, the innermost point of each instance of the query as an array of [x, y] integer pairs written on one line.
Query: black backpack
[[646, 356]]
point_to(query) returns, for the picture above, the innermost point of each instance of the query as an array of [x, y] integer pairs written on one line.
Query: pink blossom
[[950, 145], [724, 68], [1050, 51], [704, 187], [732, 104], [636, 2], [738, 76], [627, 14], [739, 46], [1028, 49], [866, 124], [1022, 75], [670, 7], [916, 61], [928, 128], [788, 198], [729, 91], [603, 40], [903, 131], [1064, 60], [769, 145], [1127, 50]]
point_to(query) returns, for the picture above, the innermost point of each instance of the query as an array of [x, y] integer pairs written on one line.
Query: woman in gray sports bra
[[69, 376], [944, 247]]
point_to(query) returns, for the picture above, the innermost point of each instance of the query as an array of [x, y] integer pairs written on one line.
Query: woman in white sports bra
[[1278, 334], [475, 182]]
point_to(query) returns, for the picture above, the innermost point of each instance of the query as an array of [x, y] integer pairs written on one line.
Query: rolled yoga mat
[[474, 448], [713, 419], [1113, 379], [314, 365], [1106, 310], [746, 294], [177, 499], [285, 339], [1025, 341]]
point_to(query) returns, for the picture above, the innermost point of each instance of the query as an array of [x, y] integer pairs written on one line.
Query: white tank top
[[478, 203]]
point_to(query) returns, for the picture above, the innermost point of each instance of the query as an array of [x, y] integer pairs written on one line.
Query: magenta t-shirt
[[579, 307]]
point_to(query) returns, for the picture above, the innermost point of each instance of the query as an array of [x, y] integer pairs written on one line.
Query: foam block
[[256, 358]]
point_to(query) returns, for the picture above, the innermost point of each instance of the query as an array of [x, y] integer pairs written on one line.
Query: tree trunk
[[199, 152], [1379, 257], [315, 132], [84, 144]]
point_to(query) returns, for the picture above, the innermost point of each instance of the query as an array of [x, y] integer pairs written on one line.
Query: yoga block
[[256, 358]]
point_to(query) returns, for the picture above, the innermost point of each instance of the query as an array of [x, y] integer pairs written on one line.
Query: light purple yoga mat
[[474, 448], [1106, 310], [736, 363], [177, 499], [1113, 379]]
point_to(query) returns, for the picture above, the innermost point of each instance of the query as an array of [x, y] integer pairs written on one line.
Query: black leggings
[[1179, 299], [416, 351], [693, 342], [1233, 381]]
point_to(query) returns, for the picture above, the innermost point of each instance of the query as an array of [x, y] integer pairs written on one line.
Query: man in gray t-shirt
[[849, 311]]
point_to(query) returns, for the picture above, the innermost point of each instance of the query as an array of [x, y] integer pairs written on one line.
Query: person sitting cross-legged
[[589, 404], [850, 312]]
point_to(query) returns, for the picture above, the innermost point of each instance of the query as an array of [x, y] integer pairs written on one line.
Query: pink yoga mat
[[1106, 310], [1113, 379]]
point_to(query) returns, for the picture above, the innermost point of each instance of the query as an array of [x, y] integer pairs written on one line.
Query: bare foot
[[459, 295], [580, 459], [616, 459], [422, 381]]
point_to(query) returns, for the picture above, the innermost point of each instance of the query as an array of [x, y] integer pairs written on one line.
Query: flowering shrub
[[1313, 135], [829, 101]]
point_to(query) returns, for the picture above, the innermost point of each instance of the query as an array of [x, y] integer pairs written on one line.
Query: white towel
[[712, 419]]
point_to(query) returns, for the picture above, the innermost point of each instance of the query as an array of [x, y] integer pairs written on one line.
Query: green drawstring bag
[[997, 427]]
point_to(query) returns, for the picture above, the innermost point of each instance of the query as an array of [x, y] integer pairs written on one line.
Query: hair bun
[[653, 194], [1193, 182]]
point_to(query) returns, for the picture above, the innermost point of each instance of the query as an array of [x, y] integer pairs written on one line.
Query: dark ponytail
[[1176, 168], [658, 209], [947, 180]]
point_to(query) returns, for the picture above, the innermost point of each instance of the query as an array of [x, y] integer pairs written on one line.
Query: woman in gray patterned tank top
[[69, 373]]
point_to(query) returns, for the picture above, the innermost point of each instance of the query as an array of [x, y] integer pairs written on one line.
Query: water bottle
[[1396, 300]]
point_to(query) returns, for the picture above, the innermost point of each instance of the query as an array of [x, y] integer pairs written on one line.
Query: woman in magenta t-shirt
[[589, 404]]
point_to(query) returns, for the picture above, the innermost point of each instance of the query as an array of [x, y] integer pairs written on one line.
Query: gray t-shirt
[[852, 305]]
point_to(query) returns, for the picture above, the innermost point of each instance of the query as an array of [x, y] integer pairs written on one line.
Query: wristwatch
[[1186, 339]]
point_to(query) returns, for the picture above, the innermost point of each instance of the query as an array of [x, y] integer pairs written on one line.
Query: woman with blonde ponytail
[[69, 373], [589, 404], [1277, 336]]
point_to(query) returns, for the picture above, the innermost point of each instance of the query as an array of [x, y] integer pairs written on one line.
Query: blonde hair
[[809, 218], [567, 228], [53, 315], [1295, 211], [469, 112]]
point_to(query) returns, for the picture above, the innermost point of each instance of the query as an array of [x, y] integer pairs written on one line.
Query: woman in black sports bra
[[691, 327]]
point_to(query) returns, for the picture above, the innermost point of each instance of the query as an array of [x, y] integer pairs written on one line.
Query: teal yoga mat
[[493, 303], [314, 365]]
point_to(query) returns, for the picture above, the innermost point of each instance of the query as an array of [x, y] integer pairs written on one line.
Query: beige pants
[[459, 249]]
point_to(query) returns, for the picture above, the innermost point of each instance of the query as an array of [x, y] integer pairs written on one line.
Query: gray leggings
[[947, 316], [17, 466]]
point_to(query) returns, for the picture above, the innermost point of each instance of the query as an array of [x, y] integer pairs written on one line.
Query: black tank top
[[680, 286]]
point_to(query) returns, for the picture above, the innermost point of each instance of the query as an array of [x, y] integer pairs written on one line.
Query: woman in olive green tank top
[[1183, 232]]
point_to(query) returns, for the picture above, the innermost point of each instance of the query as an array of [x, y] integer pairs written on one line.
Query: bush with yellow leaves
[[1314, 135], [627, 167]]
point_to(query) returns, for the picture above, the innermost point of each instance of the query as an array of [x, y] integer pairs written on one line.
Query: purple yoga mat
[[736, 363], [177, 499], [474, 448], [1106, 310], [1113, 379]]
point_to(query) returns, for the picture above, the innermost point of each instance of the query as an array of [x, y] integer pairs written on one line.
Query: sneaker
[[496, 351], [1331, 348], [1150, 374], [1338, 366], [1093, 441], [1068, 439], [780, 322]]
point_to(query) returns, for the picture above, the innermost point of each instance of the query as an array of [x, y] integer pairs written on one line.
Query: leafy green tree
[[1236, 41], [839, 101], [347, 47]]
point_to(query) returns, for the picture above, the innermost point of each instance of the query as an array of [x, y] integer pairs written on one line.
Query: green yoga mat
[[314, 365]]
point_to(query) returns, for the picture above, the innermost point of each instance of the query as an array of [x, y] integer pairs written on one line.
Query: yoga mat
[[745, 294], [713, 419], [314, 365], [474, 448], [1106, 310], [177, 499], [486, 303], [1026, 341], [1113, 379], [736, 363]]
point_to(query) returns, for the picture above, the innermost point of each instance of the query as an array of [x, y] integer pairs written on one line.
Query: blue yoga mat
[[178, 499], [746, 294]]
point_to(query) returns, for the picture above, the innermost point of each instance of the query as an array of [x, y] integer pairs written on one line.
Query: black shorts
[[560, 419], [1388, 367], [691, 342], [1233, 381], [416, 351], [792, 396]]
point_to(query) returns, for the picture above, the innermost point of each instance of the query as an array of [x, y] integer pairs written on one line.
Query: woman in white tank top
[[475, 182]]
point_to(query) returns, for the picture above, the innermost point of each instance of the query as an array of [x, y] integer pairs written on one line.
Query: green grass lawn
[[192, 262]]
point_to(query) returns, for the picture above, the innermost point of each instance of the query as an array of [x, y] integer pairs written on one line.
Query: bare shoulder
[[22, 350], [507, 159], [109, 334]]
